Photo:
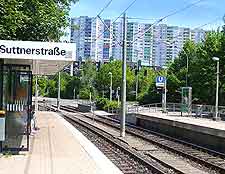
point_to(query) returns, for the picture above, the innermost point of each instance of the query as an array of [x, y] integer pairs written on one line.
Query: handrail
[[195, 109]]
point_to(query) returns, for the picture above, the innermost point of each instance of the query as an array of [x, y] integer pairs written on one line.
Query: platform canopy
[[45, 58]]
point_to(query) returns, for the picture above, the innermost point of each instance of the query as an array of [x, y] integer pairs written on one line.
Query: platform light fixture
[[217, 86]]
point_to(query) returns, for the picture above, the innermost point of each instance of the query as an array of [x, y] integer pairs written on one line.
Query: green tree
[[115, 67], [88, 76], [146, 85], [34, 20], [202, 69], [73, 83], [68, 83], [42, 85]]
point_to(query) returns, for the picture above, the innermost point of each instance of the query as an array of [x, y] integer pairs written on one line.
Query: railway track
[[128, 161], [124, 157], [210, 159]]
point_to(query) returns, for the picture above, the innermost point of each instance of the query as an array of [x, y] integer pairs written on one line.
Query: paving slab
[[56, 148]]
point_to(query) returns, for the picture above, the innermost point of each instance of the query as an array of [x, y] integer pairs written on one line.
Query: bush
[[111, 105], [85, 93], [105, 104], [101, 102]]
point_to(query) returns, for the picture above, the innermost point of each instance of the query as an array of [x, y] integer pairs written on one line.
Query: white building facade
[[156, 47]]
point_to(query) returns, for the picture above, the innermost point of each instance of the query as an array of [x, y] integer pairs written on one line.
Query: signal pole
[[123, 119], [136, 92], [58, 99]]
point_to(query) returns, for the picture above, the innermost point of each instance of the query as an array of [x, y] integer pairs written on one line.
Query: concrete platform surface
[[57, 148], [102, 113]]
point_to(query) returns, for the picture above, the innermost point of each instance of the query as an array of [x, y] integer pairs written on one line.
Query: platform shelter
[[19, 61]]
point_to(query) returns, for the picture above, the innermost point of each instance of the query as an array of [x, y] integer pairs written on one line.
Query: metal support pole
[[58, 99], [71, 69], [36, 93], [118, 96], [118, 100], [110, 86], [165, 91], [217, 89], [123, 119], [74, 93], [136, 87], [187, 71], [90, 96], [187, 66]]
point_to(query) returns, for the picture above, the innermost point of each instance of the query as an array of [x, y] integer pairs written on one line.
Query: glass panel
[[16, 102]]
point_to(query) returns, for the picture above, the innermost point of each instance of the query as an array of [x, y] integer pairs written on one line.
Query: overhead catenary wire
[[129, 6], [208, 23], [182, 9], [169, 43], [99, 14], [169, 15], [114, 21], [107, 28], [139, 18], [151, 25], [161, 19], [196, 28], [104, 8]]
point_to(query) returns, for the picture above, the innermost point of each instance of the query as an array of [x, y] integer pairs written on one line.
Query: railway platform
[[203, 125], [202, 131], [57, 147]]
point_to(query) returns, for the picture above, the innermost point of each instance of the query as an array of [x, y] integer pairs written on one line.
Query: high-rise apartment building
[[156, 47], [93, 39]]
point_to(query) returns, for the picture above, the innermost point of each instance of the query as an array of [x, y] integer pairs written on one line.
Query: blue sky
[[204, 12]]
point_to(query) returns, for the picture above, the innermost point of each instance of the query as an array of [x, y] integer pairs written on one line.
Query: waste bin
[[198, 110]]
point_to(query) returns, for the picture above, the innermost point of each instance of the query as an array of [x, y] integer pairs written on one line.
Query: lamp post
[[136, 92], [118, 96], [110, 86], [165, 89], [217, 86], [187, 64]]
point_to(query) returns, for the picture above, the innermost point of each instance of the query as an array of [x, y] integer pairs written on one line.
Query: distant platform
[[201, 131], [208, 126], [56, 148]]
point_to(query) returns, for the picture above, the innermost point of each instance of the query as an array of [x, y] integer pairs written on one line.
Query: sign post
[[161, 83]]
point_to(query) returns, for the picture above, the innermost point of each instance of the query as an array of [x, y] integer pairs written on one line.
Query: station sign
[[37, 50], [160, 81]]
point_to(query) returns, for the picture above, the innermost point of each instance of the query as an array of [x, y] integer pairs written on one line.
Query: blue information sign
[[160, 81]]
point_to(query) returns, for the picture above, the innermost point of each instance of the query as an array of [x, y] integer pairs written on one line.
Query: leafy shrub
[[105, 104], [101, 102], [85, 93], [111, 105]]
